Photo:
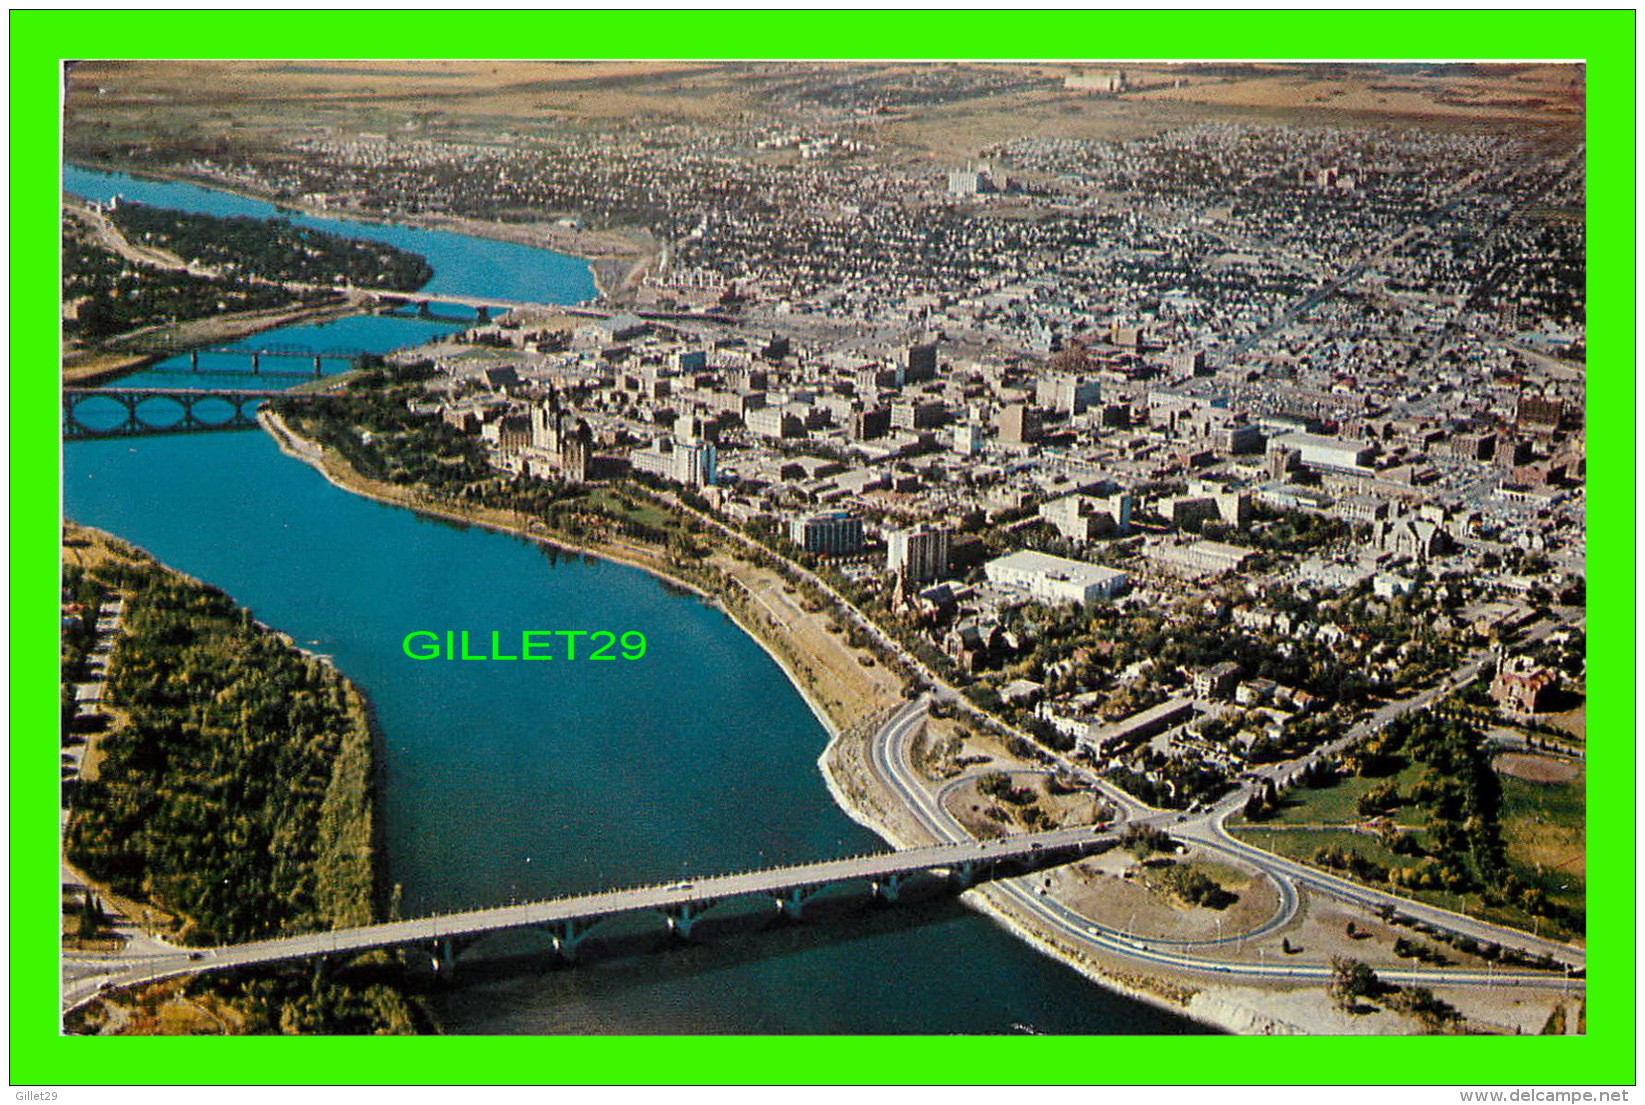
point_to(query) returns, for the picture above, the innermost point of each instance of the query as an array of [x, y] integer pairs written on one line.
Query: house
[[1522, 689], [1216, 681]]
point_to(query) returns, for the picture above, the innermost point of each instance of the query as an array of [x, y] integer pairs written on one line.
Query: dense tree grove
[[382, 440], [251, 259], [272, 249], [113, 295], [237, 795]]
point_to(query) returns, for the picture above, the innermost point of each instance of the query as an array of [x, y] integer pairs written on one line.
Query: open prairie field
[[1517, 94], [941, 111], [219, 103]]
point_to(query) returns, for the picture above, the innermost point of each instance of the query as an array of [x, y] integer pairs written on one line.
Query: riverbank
[[800, 657], [1210, 1006], [616, 260]]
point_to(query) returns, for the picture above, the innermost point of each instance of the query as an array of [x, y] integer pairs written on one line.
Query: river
[[506, 780]]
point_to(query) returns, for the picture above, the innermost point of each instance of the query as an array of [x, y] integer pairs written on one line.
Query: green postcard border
[[41, 1056]]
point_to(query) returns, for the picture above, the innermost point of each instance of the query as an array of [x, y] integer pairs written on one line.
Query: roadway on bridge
[[697, 895]]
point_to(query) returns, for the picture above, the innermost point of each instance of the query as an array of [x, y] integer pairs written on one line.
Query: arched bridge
[[224, 409], [566, 922]]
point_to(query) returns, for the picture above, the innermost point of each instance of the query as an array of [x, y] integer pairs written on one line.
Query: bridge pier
[[194, 360], [888, 888], [317, 371], [256, 364], [483, 313], [963, 874], [791, 903], [443, 954], [568, 935], [683, 918]]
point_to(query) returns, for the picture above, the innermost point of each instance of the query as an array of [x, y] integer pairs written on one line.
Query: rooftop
[[1056, 567]]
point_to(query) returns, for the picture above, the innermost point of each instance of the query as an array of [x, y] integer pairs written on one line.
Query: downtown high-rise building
[[920, 553]]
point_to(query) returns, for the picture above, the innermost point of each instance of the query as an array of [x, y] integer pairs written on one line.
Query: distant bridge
[[257, 355], [233, 408], [425, 307], [567, 922]]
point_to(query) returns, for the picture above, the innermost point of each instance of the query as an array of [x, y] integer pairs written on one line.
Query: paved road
[[889, 757]]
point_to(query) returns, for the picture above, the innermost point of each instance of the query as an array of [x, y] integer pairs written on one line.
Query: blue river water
[[515, 779]]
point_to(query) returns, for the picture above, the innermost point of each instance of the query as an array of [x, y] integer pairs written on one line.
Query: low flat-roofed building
[[1055, 578], [1139, 726], [1199, 557], [1315, 451]]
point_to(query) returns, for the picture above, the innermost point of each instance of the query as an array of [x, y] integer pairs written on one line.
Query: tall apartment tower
[[694, 463], [1019, 424], [919, 554], [919, 363]]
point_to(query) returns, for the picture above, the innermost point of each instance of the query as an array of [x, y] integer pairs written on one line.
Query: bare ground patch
[[1535, 769]]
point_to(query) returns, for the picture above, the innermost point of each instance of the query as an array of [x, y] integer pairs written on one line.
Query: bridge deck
[[699, 892]]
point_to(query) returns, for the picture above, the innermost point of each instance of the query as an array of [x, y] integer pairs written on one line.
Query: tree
[[1352, 980], [1434, 1014], [1379, 800], [1144, 840]]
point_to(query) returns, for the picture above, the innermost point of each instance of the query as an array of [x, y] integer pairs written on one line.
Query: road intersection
[[890, 759]]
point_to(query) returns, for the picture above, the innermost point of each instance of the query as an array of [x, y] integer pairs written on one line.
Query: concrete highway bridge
[[257, 355], [568, 921], [482, 308], [225, 409]]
